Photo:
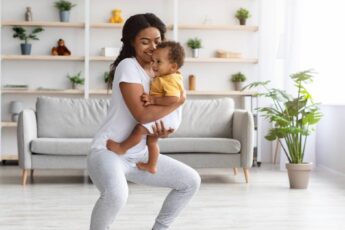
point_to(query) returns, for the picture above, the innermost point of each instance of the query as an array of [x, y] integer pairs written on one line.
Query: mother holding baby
[[130, 79]]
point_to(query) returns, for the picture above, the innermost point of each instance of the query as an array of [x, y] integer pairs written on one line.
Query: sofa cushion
[[69, 118], [200, 145], [206, 118], [61, 146]]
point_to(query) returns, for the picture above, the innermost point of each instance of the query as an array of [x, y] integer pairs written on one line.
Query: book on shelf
[[48, 89], [15, 87]]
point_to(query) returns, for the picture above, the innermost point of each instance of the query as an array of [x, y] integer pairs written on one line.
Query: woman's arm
[[131, 93]]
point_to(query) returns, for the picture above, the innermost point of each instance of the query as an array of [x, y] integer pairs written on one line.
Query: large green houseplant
[[293, 119]]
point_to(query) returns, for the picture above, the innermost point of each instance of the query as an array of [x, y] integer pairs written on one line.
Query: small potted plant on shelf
[[242, 15], [21, 33], [76, 80], [195, 45], [64, 8], [292, 118], [238, 79], [106, 78]]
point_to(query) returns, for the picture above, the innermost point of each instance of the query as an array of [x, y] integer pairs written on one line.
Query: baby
[[165, 89]]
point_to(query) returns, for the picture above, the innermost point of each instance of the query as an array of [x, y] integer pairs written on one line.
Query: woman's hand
[[147, 99], [160, 131]]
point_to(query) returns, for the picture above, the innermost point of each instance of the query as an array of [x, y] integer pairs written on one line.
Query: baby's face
[[161, 64]]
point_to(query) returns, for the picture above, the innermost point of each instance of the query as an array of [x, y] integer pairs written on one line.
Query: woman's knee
[[115, 197], [192, 181]]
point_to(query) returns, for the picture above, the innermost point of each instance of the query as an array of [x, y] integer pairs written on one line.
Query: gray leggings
[[110, 172]]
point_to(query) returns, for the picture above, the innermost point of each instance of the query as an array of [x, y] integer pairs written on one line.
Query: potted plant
[[76, 80], [292, 118], [64, 8], [242, 15], [238, 79], [20, 32], [195, 45]]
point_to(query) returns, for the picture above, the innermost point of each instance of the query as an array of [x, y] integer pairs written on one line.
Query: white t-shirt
[[119, 122]]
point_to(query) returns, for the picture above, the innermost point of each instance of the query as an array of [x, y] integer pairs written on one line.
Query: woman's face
[[145, 43]]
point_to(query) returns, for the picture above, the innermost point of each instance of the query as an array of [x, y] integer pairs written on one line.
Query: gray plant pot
[[64, 16], [25, 48], [299, 175], [195, 53], [242, 22], [238, 85]]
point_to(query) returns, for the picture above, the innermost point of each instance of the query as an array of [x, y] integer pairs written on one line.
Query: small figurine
[[116, 16], [61, 49], [28, 14]]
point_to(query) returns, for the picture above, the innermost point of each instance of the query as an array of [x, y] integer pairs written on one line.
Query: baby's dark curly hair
[[176, 52]]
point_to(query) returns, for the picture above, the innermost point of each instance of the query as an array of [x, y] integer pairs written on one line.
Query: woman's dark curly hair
[[131, 28]]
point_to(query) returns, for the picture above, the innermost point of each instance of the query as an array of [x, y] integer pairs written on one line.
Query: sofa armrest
[[26, 132], [243, 130]]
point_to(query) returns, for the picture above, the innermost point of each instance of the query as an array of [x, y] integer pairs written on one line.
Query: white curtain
[[313, 37]]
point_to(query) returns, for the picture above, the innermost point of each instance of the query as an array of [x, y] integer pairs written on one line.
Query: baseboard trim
[[331, 170]]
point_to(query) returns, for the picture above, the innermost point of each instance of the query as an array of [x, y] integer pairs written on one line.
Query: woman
[[130, 78]]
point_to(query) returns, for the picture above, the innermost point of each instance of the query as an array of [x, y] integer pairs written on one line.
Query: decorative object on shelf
[[61, 49], [77, 81], [195, 45], [192, 82], [20, 32], [64, 8], [293, 119], [28, 14], [242, 15], [15, 108], [238, 79], [110, 51], [116, 16], [227, 54]]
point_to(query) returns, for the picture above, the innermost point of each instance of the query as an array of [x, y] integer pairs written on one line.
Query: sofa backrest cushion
[[69, 117], [206, 118]]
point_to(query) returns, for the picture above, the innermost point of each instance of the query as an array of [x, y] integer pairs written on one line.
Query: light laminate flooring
[[63, 200]]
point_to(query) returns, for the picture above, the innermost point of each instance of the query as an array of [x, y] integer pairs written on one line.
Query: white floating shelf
[[101, 58], [222, 60], [8, 124], [114, 25], [190, 93], [38, 91], [42, 58], [194, 60], [5, 157], [44, 24], [106, 25], [217, 27]]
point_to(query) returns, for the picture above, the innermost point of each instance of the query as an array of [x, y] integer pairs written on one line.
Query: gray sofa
[[58, 134]]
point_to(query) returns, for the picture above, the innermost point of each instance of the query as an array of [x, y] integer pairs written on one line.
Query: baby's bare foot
[[147, 167], [115, 147]]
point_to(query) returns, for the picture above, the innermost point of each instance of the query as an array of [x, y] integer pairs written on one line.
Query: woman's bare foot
[[147, 167], [115, 147]]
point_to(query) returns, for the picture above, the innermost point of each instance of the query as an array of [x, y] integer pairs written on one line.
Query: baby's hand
[[147, 99]]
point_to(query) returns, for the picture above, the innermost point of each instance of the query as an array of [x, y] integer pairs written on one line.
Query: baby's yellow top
[[167, 85]]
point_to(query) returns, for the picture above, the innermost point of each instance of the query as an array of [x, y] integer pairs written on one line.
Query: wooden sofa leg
[[246, 174], [235, 171], [24, 176]]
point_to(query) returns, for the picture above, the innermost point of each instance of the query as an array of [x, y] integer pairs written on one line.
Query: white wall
[[330, 139]]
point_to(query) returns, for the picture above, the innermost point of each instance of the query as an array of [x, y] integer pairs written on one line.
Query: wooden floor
[[64, 200]]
